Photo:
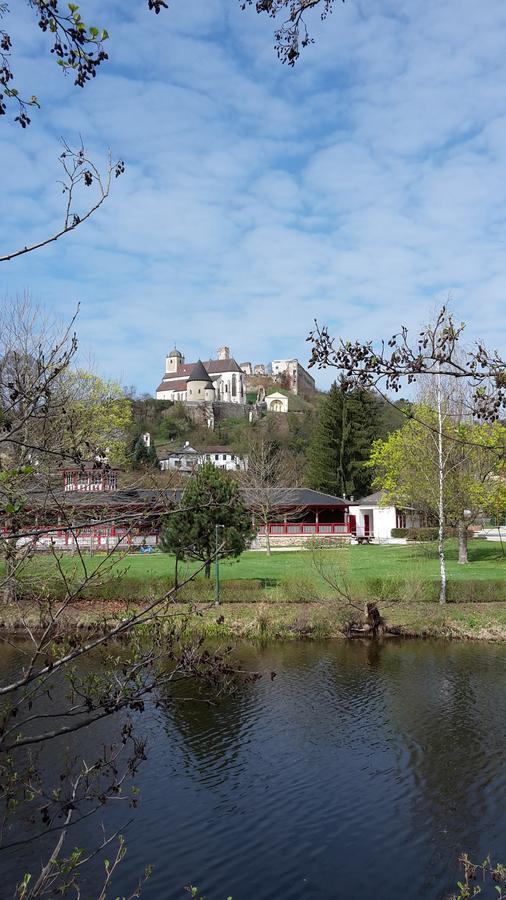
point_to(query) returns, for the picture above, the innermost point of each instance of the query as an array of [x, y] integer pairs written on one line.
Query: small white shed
[[371, 520]]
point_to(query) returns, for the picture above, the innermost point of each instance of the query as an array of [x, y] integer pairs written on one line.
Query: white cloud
[[362, 187]]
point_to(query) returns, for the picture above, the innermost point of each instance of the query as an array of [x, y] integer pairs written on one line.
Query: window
[[234, 385], [216, 455]]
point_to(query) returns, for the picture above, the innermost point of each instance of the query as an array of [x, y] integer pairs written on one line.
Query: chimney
[[223, 353]]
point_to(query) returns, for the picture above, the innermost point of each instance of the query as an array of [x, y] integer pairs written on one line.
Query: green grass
[[383, 572]]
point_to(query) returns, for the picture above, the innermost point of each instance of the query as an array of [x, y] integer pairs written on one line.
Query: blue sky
[[362, 187]]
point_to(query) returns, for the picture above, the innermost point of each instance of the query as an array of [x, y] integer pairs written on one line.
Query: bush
[[426, 533]]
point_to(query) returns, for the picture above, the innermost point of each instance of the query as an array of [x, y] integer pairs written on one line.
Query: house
[[371, 519], [301, 515], [90, 478], [218, 380], [186, 459], [113, 517]]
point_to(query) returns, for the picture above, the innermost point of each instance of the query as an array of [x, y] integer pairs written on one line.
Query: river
[[359, 771]]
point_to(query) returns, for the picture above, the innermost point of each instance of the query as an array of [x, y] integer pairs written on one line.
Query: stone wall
[[299, 540]]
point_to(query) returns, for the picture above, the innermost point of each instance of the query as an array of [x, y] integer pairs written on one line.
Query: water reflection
[[361, 770]]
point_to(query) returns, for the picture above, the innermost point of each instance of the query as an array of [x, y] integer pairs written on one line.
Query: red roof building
[[214, 380]]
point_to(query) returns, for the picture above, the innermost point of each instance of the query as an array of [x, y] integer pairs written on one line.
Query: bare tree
[[436, 350], [268, 486], [78, 170], [49, 695]]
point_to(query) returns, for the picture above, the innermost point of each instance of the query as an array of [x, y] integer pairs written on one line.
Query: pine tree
[[327, 446], [211, 498], [144, 457], [341, 443]]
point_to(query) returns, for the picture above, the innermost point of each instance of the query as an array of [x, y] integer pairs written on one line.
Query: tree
[[50, 692], [97, 416], [293, 33], [436, 355], [80, 49], [143, 457], [408, 465], [340, 445], [211, 498], [437, 351], [79, 171], [266, 484]]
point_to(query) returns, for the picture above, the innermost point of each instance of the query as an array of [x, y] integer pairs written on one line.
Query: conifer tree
[[211, 498], [341, 443]]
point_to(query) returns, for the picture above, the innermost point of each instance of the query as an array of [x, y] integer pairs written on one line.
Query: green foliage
[[210, 498], [99, 415], [341, 442], [406, 466], [143, 457]]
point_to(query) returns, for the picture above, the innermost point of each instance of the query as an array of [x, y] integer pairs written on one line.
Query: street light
[[217, 564]]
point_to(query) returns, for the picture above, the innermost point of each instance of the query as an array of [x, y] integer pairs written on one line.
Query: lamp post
[[217, 565]]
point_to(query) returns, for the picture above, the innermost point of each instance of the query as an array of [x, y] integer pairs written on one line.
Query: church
[[218, 380]]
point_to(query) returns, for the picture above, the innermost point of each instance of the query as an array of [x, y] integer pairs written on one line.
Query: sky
[[364, 187]]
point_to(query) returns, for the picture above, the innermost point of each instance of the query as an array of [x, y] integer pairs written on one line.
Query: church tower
[[173, 361]]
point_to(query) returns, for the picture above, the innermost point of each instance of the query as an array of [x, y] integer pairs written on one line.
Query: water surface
[[359, 771]]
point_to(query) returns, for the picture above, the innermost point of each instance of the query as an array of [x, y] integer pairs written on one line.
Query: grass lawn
[[284, 596], [369, 570]]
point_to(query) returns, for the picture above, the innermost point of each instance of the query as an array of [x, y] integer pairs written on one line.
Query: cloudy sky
[[362, 187]]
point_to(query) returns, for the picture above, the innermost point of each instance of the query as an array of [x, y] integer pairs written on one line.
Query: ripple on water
[[357, 772]]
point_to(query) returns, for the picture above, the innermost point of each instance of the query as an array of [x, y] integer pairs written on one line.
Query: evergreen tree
[[144, 457], [347, 425], [210, 498]]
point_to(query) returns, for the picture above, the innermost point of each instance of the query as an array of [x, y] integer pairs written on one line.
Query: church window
[[234, 385]]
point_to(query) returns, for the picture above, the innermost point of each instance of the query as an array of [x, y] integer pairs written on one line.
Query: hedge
[[425, 533]]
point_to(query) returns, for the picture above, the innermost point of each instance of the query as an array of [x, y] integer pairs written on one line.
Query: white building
[[187, 459], [371, 520], [215, 380], [277, 402]]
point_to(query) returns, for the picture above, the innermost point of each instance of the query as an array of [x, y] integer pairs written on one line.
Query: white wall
[[381, 520]]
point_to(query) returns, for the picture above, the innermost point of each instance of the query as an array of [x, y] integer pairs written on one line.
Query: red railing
[[320, 528]]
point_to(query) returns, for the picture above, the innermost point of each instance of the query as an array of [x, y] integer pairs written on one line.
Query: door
[[352, 523], [367, 530]]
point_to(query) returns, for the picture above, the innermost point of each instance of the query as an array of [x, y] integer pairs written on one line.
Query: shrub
[[426, 533]]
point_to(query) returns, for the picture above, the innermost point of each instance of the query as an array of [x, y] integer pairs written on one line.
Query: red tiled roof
[[176, 381], [212, 366], [174, 384]]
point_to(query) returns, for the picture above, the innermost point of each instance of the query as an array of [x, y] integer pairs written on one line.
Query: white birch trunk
[[441, 509]]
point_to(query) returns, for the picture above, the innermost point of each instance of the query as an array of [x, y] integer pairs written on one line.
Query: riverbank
[[282, 621], [380, 573]]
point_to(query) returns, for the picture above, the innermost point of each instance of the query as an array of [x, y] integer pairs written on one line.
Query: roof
[[218, 450], [308, 497], [371, 500], [175, 352], [177, 384], [199, 373], [212, 367], [185, 450], [222, 365]]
